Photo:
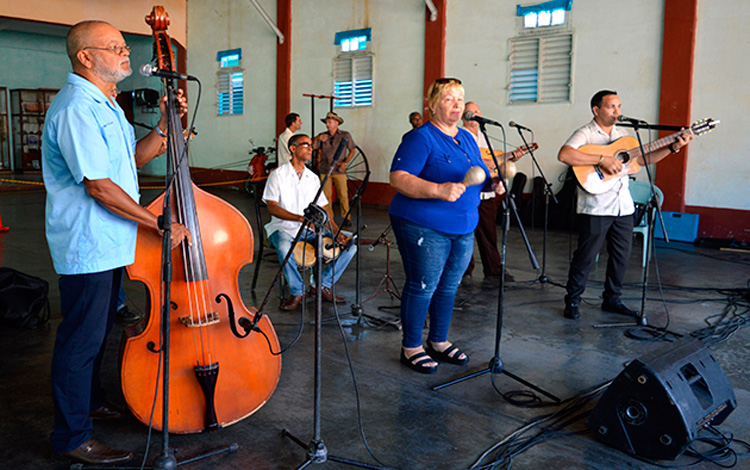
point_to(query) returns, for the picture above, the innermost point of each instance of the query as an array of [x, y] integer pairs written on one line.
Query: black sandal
[[446, 356], [415, 362]]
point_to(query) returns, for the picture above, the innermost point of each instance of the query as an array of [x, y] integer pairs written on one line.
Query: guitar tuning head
[[704, 126]]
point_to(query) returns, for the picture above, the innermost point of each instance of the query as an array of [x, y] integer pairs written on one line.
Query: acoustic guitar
[[627, 150], [487, 157]]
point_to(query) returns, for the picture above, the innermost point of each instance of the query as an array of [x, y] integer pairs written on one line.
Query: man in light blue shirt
[[89, 160]]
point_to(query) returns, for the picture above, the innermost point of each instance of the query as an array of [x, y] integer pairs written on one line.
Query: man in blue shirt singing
[[89, 160]]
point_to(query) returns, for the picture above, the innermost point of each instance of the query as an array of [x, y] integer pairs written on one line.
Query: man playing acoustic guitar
[[608, 214]]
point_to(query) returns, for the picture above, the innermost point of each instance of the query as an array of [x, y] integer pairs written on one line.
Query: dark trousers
[[593, 231], [89, 307], [486, 236]]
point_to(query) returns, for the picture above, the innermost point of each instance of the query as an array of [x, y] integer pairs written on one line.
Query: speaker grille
[[660, 402]]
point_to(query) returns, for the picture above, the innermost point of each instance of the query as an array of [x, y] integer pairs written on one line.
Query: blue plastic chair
[[641, 194]]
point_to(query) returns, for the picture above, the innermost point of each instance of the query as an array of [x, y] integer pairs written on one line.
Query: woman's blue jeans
[[434, 263]]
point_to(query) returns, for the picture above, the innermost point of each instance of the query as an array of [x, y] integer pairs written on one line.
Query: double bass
[[215, 377]]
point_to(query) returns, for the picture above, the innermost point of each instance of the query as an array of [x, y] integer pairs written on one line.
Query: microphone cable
[[350, 364]]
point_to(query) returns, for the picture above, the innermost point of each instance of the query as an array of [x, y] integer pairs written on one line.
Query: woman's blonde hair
[[439, 87]]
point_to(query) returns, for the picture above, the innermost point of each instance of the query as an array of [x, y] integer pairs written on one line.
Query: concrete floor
[[407, 425]]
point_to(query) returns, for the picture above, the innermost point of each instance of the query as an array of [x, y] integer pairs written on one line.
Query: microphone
[[247, 324], [148, 70], [469, 116], [475, 175], [518, 126], [622, 118]]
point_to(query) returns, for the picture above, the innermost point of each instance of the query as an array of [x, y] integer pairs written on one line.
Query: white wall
[[718, 168], [398, 38], [617, 45], [622, 53], [217, 25], [398, 46], [127, 16]]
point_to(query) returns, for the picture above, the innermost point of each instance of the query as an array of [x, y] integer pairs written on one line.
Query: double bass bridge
[[210, 318]]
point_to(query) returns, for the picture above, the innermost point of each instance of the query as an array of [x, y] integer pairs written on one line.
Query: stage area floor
[[406, 423]]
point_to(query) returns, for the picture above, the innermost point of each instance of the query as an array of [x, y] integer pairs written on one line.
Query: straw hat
[[334, 116]]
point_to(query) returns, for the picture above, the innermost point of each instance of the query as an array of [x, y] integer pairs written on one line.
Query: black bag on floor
[[24, 301]]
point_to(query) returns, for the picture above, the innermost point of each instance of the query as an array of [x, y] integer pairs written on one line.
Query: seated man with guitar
[[486, 232], [605, 211], [289, 190]]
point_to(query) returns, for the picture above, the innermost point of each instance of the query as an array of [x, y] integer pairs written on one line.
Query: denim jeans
[[332, 271], [434, 263]]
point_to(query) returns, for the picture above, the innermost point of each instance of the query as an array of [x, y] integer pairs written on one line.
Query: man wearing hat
[[326, 144]]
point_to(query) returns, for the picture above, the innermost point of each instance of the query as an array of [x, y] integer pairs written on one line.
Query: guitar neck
[[657, 144]]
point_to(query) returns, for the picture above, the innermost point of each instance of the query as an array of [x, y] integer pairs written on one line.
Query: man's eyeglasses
[[441, 81], [303, 144], [119, 50]]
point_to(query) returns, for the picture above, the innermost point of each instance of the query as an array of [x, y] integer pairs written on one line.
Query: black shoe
[[571, 312], [108, 411], [493, 280], [618, 307], [126, 317], [490, 282]]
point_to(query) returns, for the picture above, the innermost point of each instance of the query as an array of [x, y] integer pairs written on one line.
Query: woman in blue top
[[433, 216]]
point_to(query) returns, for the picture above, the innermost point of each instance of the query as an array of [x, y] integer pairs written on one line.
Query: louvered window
[[352, 80], [230, 93], [540, 69]]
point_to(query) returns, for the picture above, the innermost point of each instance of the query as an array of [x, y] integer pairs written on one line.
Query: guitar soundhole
[[624, 157]]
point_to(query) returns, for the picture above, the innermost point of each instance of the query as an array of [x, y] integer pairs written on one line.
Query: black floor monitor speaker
[[657, 406]]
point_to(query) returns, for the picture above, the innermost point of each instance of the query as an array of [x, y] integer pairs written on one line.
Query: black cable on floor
[[549, 426], [351, 370]]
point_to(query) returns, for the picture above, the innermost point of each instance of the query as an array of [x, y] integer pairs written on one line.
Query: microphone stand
[[386, 282], [167, 460], [317, 452], [495, 365], [356, 308], [542, 279], [357, 305], [640, 320], [312, 108]]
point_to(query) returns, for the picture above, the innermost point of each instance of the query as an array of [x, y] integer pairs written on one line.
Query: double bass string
[[196, 285], [200, 293], [198, 400]]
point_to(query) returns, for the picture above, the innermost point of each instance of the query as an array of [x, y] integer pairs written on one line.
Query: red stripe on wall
[[434, 49], [283, 63], [717, 222], [677, 59], [675, 103]]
